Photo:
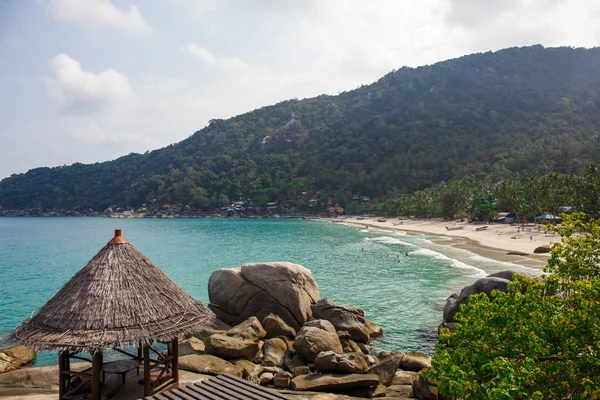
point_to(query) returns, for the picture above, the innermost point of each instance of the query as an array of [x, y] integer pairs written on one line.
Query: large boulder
[[275, 326], [343, 318], [211, 365], [230, 348], [15, 357], [386, 368], [251, 371], [191, 345], [350, 363], [315, 338], [542, 249], [373, 329], [414, 361], [484, 285], [251, 329], [37, 377], [400, 391], [273, 352], [281, 288], [325, 382]]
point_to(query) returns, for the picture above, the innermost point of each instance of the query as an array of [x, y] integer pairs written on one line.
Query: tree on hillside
[[539, 340]]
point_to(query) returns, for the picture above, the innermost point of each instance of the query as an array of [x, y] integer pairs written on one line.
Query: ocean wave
[[477, 272], [390, 240], [505, 264]]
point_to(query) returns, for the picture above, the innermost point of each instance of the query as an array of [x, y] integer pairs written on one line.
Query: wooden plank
[[221, 387], [240, 391], [248, 386], [210, 393], [188, 393]]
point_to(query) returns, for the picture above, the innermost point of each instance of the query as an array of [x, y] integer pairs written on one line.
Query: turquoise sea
[[365, 268]]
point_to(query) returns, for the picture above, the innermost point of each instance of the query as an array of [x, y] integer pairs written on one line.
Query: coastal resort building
[[336, 209], [119, 301]]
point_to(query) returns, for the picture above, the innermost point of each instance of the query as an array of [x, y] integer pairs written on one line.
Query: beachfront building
[[118, 299]]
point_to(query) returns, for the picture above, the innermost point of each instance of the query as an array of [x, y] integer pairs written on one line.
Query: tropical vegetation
[[540, 339], [478, 118]]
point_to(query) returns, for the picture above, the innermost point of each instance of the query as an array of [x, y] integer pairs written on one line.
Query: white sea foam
[[505, 264], [477, 272], [390, 240]]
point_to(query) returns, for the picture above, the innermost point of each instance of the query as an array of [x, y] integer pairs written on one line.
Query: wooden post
[[62, 381], [147, 382], [96, 369], [175, 362]]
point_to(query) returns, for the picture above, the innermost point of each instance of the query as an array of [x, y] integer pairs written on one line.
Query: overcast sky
[[91, 80]]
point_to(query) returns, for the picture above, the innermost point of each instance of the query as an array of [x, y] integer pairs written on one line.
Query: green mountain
[[530, 109]]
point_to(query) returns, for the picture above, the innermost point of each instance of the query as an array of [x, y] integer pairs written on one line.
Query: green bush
[[540, 339]]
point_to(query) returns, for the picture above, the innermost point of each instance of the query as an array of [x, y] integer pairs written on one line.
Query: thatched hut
[[118, 299]]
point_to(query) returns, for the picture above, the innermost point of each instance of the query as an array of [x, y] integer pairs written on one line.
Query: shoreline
[[494, 242]]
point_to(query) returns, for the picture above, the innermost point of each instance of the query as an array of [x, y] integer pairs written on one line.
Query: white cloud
[[83, 92], [202, 53], [99, 14]]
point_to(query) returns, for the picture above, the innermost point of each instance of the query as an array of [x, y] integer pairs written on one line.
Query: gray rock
[[542, 249], [365, 348], [273, 352], [414, 361], [191, 346], [370, 392], [230, 348], [37, 377], [250, 329], [404, 377], [211, 365], [292, 361], [310, 341], [275, 326], [303, 370], [343, 318], [484, 285], [251, 370], [266, 378], [373, 329], [15, 357], [282, 379], [321, 324], [400, 391], [279, 288], [350, 363], [350, 346], [506, 274], [386, 368], [324, 382]]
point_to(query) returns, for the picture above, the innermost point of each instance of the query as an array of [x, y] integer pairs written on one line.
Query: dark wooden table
[[121, 367]]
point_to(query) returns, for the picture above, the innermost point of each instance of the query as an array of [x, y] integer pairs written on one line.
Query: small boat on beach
[[455, 228], [481, 228], [360, 218], [381, 220]]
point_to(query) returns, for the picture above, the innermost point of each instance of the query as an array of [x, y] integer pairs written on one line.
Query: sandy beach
[[494, 242]]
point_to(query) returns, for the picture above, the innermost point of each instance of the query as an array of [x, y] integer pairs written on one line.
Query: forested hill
[[517, 110]]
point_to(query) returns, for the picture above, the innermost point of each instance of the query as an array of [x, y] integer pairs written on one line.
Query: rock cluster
[[288, 338]]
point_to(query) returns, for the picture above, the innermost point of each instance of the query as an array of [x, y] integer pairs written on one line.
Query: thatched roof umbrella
[[119, 298]]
